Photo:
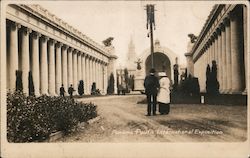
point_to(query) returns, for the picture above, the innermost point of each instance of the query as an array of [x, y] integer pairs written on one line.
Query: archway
[[161, 64]]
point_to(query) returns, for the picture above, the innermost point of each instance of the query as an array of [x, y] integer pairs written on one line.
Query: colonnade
[[224, 44], [52, 63]]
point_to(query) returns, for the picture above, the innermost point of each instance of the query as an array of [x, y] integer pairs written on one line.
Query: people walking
[[71, 90], [62, 91], [164, 93], [151, 84]]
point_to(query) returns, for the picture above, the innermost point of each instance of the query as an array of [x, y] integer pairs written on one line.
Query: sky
[[126, 20]]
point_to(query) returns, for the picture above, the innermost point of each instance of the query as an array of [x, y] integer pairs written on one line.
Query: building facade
[[223, 39], [53, 51]]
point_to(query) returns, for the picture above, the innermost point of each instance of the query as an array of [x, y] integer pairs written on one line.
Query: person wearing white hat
[[163, 96]]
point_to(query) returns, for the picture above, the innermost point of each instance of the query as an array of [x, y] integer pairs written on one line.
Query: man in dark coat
[[71, 90], [62, 91], [151, 84]]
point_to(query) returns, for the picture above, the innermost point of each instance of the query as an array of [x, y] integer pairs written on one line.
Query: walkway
[[123, 120]]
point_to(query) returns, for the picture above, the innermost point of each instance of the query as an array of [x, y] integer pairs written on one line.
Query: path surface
[[123, 120]]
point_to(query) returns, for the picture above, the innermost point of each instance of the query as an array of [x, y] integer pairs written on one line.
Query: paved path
[[123, 120]]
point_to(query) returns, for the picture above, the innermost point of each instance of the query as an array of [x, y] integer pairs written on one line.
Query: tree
[[81, 87], [19, 82], [31, 85], [126, 79], [111, 82], [212, 84]]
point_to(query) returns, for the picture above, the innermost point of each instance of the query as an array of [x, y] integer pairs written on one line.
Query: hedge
[[35, 118]]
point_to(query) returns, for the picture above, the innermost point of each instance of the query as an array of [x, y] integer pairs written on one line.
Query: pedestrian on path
[[151, 84], [164, 93], [71, 90], [62, 91]]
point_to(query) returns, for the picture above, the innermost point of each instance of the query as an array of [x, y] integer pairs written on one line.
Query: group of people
[[70, 90], [157, 91]]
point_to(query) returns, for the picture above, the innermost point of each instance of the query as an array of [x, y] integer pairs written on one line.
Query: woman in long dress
[[164, 94]]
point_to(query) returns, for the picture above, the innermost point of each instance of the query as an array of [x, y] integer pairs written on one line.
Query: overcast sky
[[125, 19]]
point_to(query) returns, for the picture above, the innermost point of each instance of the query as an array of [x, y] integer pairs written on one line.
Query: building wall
[[55, 52], [224, 40]]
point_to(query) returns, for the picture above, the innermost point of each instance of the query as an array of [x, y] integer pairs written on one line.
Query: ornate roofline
[[43, 13]]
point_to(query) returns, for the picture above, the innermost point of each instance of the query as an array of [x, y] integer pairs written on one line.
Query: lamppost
[[150, 8]]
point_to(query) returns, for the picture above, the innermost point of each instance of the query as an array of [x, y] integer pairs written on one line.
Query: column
[[223, 56], [65, 67], [87, 74], [212, 49], [25, 62], [70, 67], [105, 78], [13, 56], [219, 61], [98, 75], [90, 73], [228, 55], [35, 62], [236, 53], [75, 70], [79, 67], [84, 72], [245, 34], [44, 66], [102, 77], [216, 49], [51, 55], [95, 70], [58, 67]]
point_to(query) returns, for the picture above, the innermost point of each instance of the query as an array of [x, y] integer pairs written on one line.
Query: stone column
[[70, 67], [223, 55], [219, 60], [228, 55], [84, 72], [75, 70], [44, 66], [98, 75], [105, 78], [13, 56], [102, 77], [245, 34], [25, 62], [51, 55], [87, 74], [35, 62], [90, 72], [216, 48], [236, 53], [65, 67], [58, 67], [79, 67], [95, 71]]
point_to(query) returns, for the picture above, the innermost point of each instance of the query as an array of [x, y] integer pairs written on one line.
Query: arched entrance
[[161, 64]]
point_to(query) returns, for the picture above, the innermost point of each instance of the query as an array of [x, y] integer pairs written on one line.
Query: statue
[[138, 62], [192, 37], [107, 42]]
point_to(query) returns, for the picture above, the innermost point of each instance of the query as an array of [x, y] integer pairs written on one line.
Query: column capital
[[14, 25], [70, 49], [25, 30], [75, 51], [35, 34], [59, 44], [44, 38], [65, 46], [51, 41], [226, 21], [222, 26], [218, 31], [215, 35]]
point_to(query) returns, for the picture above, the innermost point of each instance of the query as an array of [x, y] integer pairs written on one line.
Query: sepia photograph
[[124, 79]]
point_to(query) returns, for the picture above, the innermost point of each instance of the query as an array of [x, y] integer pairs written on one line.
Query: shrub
[[19, 81], [35, 118], [31, 84], [111, 82], [81, 87]]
